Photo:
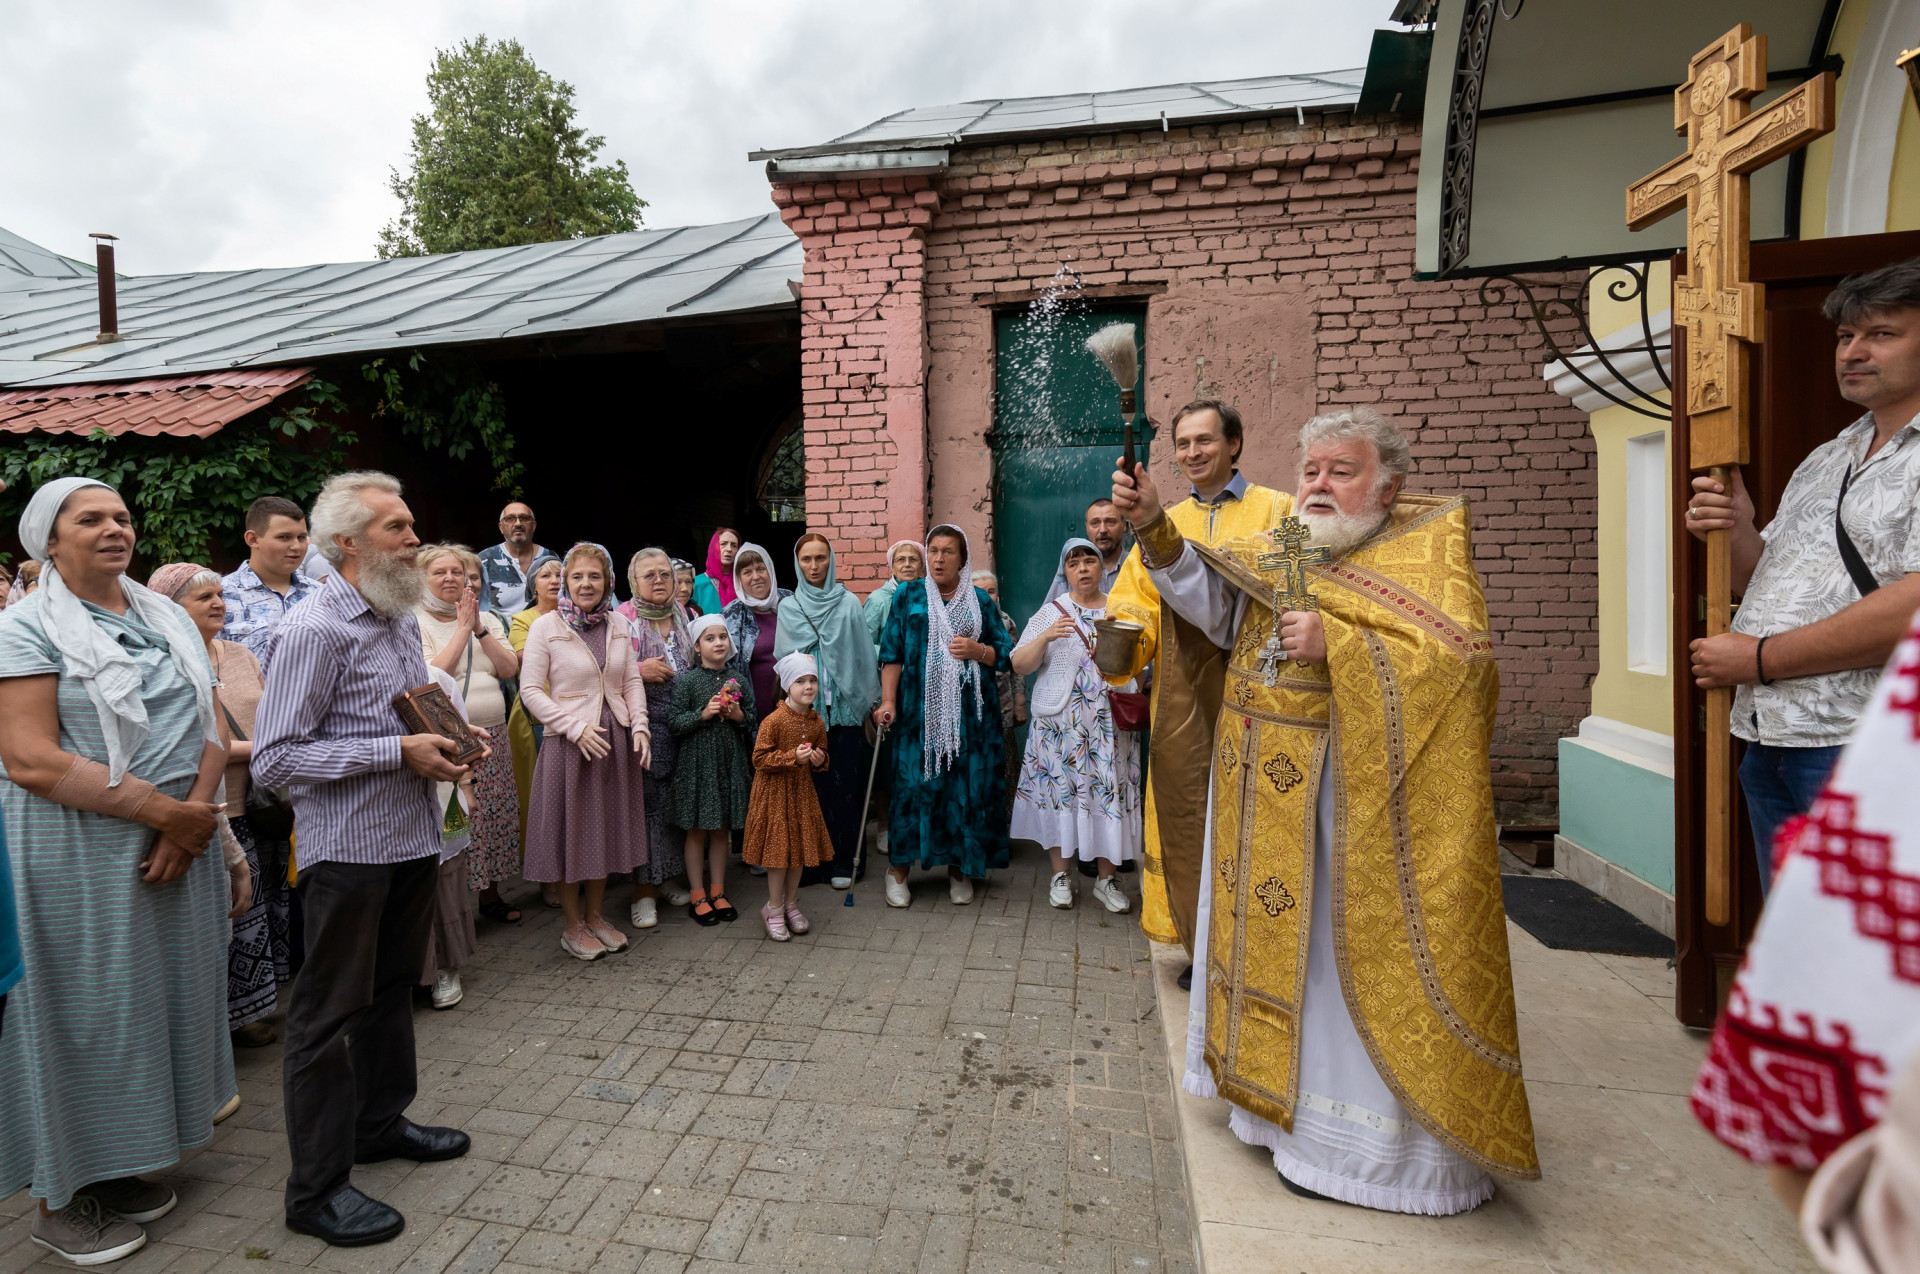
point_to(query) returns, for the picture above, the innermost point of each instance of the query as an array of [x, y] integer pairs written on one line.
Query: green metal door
[[1056, 435]]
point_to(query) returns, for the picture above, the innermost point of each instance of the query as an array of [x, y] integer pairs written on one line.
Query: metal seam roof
[[219, 320], [1008, 118], [180, 406], [21, 258]]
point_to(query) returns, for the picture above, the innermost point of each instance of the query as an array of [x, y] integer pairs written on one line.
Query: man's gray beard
[[391, 583], [1340, 533]]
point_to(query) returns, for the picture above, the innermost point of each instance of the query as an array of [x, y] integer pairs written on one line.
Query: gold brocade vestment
[[1399, 720], [1176, 807]]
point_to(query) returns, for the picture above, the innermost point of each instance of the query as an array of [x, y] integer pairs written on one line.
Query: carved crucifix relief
[[1723, 314], [1726, 141]]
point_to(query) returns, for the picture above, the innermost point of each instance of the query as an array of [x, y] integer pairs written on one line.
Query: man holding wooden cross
[[1831, 583]]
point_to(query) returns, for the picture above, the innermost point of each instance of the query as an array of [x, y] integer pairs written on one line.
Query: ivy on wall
[[187, 494], [447, 406]]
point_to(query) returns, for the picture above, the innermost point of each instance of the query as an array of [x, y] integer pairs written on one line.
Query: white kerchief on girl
[[790, 668]]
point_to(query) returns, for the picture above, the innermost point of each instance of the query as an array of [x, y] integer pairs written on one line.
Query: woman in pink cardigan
[[579, 679]]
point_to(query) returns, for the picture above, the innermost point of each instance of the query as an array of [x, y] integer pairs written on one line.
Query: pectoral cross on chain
[[1291, 559]]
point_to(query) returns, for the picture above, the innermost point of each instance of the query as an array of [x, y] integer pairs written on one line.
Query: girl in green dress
[[710, 719]]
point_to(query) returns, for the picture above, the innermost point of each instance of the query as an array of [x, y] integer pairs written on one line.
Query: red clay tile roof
[[180, 406]]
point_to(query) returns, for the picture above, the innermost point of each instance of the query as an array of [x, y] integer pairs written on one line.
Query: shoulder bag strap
[[1055, 603], [1856, 565], [233, 725]]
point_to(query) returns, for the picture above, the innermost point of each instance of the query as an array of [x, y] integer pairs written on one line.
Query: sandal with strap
[[500, 911], [697, 901], [724, 909]]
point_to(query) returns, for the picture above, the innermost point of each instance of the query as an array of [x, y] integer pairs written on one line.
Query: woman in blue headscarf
[[821, 618], [1079, 790]]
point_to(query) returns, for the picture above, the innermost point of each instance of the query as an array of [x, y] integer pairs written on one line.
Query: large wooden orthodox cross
[[1724, 316]]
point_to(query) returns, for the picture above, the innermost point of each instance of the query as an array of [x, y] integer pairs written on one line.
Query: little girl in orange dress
[[785, 829]]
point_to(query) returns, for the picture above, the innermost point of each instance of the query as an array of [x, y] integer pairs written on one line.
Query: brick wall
[[1276, 260]]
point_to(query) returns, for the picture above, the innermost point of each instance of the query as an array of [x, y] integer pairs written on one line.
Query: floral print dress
[[1079, 789]]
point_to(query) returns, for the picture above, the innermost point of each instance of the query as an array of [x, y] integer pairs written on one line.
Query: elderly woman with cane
[[822, 619], [942, 641], [109, 735]]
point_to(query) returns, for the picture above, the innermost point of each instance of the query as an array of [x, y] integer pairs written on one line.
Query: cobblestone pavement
[[977, 1088]]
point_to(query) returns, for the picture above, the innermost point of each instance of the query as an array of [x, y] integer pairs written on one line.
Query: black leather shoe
[[422, 1145], [1185, 980], [1300, 1191], [349, 1219]]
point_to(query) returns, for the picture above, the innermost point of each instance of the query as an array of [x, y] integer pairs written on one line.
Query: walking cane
[[860, 843]]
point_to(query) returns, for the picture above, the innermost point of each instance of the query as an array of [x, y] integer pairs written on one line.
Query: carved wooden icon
[[1723, 313]]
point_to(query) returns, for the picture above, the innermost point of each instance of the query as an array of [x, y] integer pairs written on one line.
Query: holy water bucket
[[1114, 644]]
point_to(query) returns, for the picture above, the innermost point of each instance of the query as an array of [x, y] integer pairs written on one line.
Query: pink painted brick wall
[[1276, 261]]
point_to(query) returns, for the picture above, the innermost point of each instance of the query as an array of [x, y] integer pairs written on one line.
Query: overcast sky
[[214, 134]]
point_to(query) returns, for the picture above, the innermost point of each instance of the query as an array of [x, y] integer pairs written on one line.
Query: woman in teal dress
[[942, 641], [115, 1057]]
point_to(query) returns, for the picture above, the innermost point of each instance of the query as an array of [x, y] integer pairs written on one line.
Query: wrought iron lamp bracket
[[1613, 385]]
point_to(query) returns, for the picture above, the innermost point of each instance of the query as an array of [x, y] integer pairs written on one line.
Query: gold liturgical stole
[[1400, 720]]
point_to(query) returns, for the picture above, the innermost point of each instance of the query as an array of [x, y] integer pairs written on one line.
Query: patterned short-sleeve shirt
[[1801, 579]]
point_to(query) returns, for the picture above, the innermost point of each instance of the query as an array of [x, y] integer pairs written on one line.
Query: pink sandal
[[776, 922], [796, 922]]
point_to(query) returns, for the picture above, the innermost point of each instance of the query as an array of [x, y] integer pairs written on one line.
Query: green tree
[[499, 161]]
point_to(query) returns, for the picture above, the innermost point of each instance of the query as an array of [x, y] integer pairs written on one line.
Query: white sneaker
[[675, 895], [898, 895], [842, 882], [960, 889], [446, 989], [755, 870], [1060, 892], [1107, 890], [644, 913]]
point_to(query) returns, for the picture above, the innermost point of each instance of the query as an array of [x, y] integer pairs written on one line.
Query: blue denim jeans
[[1780, 783]]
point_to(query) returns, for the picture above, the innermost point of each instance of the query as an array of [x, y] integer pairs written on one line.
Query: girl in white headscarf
[[937, 654], [124, 887]]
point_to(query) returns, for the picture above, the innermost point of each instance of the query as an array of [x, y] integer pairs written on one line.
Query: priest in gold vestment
[[1207, 438], [1354, 996]]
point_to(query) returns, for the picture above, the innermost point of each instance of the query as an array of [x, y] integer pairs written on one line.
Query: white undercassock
[[1352, 1140]]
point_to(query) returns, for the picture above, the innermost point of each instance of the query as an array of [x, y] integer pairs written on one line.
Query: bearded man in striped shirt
[[368, 839]]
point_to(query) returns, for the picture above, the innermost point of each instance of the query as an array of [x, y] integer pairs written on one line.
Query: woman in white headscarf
[[753, 622], [942, 641], [115, 1056]]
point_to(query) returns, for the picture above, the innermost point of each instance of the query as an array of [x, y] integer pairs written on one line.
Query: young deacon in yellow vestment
[[1353, 998], [1207, 438]]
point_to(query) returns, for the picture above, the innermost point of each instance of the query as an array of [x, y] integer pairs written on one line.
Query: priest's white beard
[[392, 583], [1337, 532]]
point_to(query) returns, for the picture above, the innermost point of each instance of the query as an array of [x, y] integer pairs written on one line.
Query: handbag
[[268, 814], [1129, 707]]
